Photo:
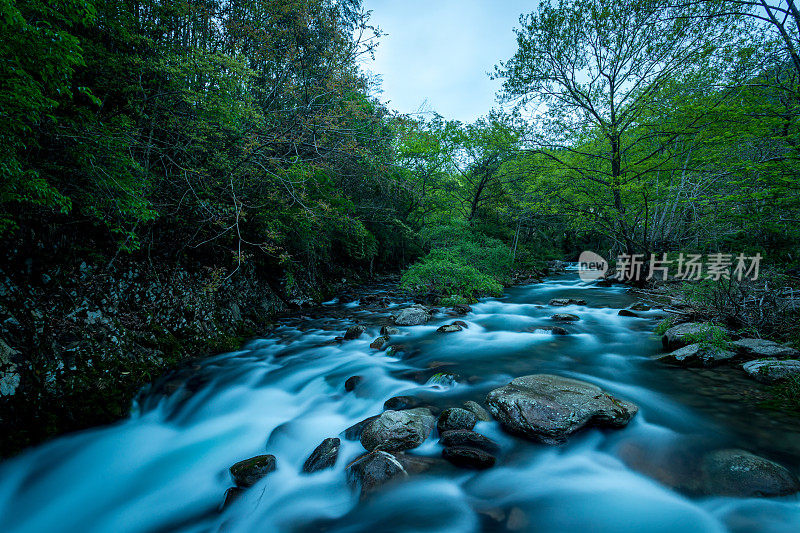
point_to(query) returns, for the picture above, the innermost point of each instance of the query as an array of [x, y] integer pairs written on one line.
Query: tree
[[601, 71]]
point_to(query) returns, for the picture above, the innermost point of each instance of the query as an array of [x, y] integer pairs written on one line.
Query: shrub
[[449, 277], [664, 325], [453, 300]]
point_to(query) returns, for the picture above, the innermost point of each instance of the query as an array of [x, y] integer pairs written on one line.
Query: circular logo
[[591, 266]]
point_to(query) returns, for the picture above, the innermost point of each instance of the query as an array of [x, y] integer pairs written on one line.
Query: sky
[[441, 51]]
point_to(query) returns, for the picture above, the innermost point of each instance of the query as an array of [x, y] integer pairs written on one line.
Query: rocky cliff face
[[77, 341]]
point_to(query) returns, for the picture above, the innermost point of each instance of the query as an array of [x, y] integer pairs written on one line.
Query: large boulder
[[772, 370], [697, 355], [689, 333], [548, 408], [412, 316], [248, 472], [323, 457], [761, 348], [456, 418], [398, 430], [373, 470], [740, 473]]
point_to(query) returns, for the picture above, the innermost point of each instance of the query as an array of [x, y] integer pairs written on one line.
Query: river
[[166, 467]]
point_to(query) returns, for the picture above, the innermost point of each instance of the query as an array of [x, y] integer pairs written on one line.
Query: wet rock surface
[[248, 472], [743, 474], [772, 370], [761, 348], [548, 408], [456, 418], [697, 354], [398, 430], [412, 316], [374, 470], [324, 456]]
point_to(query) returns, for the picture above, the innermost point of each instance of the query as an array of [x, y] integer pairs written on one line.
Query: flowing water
[[165, 468]]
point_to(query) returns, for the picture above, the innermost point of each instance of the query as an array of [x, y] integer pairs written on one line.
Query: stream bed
[[166, 467]]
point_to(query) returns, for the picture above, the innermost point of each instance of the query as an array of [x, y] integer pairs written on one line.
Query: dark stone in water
[[373, 470], [231, 495], [463, 438], [450, 328], [460, 323], [479, 412], [324, 456], [456, 418], [462, 309], [354, 332], [389, 330], [398, 430], [565, 317], [379, 343], [398, 403], [549, 408], [248, 472], [469, 457], [352, 382], [740, 473], [628, 313], [354, 431]]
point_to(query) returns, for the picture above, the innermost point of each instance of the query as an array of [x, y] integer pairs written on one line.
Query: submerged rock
[[464, 438], [352, 382], [689, 333], [373, 470], [456, 418], [565, 317], [389, 330], [443, 379], [761, 348], [479, 412], [772, 370], [399, 403], [566, 301], [741, 473], [354, 431], [469, 457], [324, 456], [461, 323], [628, 313], [450, 328], [354, 332], [462, 309], [549, 408], [231, 495], [398, 430], [697, 355], [248, 472], [412, 316], [554, 330], [379, 343], [639, 306]]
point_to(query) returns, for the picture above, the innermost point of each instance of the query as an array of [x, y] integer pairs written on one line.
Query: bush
[[449, 277], [453, 300]]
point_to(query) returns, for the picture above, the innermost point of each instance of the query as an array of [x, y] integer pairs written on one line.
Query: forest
[[179, 174]]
